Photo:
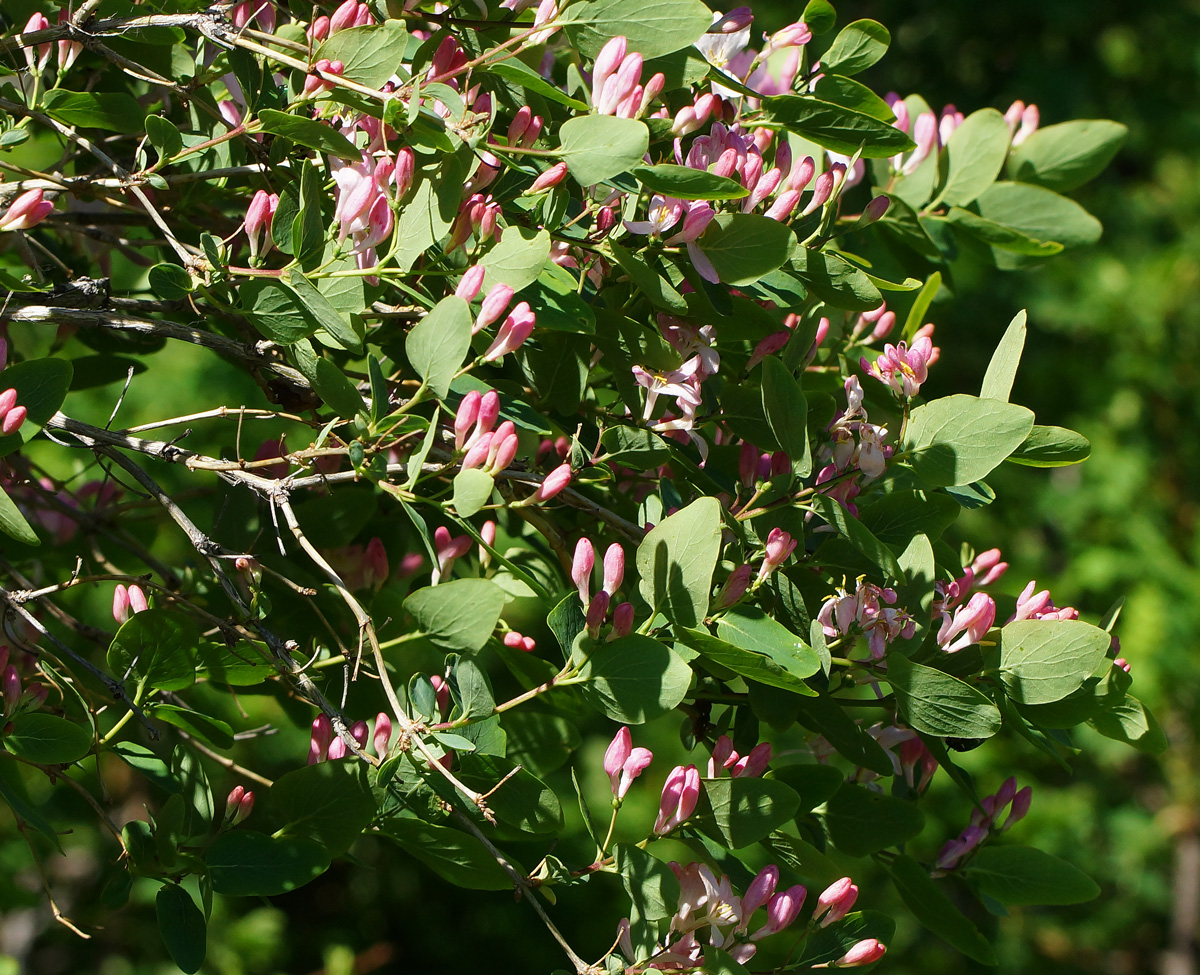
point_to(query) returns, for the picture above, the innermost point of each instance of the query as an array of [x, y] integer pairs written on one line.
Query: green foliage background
[[1112, 352]]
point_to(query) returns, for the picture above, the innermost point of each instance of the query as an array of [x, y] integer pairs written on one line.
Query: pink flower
[[549, 179], [614, 568], [517, 327], [902, 368], [622, 624], [320, 739], [554, 483], [581, 569], [37, 61], [126, 602], [258, 222], [383, 734], [968, 625], [835, 901], [780, 546], [448, 549], [29, 208], [863, 953], [680, 794], [782, 911], [238, 805], [624, 763]]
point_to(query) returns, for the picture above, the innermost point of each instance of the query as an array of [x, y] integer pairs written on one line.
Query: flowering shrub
[[517, 287]]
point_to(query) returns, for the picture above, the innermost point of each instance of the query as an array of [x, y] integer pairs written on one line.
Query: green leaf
[[422, 220], [41, 385], [599, 147], [685, 183], [829, 944], [649, 882], [827, 717], [959, 439], [13, 523], [518, 259], [472, 490], [634, 447], [274, 308], [320, 308], [331, 384], [848, 93], [750, 628], [330, 802], [437, 343], [897, 516], [857, 534], [181, 924], [634, 679], [675, 562], [114, 111], [524, 805], [834, 280], [371, 54], [169, 281], [1130, 721], [835, 127], [47, 739], [458, 615], [212, 730], [857, 46], [936, 911], [973, 158], [529, 80], [455, 856], [745, 246], [1052, 447], [1042, 661], [243, 863], [659, 290], [787, 412], [820, 16], [748, 663], [998, 235], [744, 810], [148, 764], [861, 822], [938, 704], [650, 29], [1018, 875], [158, 646], [163, 135], [308, 132], [1038, 213], [1002, 369], [1065, 156], [13, 791]]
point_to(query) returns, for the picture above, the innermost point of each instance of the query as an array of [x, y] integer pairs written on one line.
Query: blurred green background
[[1112, 352]]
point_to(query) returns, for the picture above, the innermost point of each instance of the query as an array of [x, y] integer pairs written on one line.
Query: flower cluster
[[985, 820], [869, 611]]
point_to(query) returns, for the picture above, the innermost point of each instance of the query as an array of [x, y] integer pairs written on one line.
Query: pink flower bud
[[120, 605], [550, 178], [618, 750], [738, 19], [12, 420], [614, 568], [581, 569], [466, 417], [337, 749], [753, 765], [35, 23], [1020, 806], [875, 209], [360, 732], [478, 452], [607, 61], [137, 599], [784, 205], [382, 738], [318, 30], [10, 688], [554, 483], [29, 208], [761, 888], [622, 621], [469, 286], [722, 757], [344, 16], [835, 901], [519, 124], [782, 910], [680, 794], [489, 411], [863, 953], [513, 639], [735, 587], [822, 190], [320, 740], [494, 305], [441, 690], [597, 611]]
